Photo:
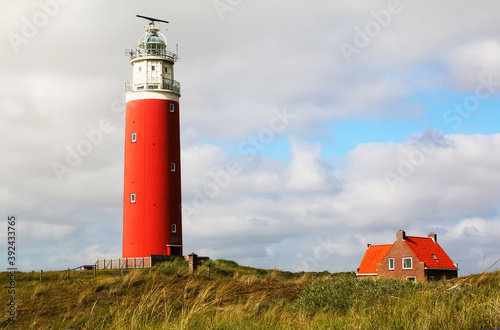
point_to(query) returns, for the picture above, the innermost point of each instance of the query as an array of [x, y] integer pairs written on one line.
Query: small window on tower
[[140, 68], [172, 167], [172, 108], [174, 228], [134, 137], [132, 198], [152, 67], [166, 69]]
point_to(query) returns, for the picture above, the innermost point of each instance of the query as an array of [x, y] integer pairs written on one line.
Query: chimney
[[368, 245], [434, 237], [400, 235]]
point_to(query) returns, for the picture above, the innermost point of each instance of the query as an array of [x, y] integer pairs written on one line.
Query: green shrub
[[340, 293], [226, 263]]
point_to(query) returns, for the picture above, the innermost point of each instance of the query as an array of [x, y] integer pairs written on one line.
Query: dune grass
[[225, 295]]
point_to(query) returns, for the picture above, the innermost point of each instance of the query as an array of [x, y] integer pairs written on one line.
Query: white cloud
[[471, 61], [42, 231], [307, 172]]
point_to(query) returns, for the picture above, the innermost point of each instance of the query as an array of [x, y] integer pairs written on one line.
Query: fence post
[[193, 262], [68, 274], [41, 275]]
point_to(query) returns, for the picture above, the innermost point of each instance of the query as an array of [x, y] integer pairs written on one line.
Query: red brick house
[[409, 257]]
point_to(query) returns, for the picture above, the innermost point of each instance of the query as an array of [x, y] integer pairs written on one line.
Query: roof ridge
[[418, 237], [381, 244]]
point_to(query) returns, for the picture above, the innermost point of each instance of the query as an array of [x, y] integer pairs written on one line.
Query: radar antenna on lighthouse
[[152, 19]]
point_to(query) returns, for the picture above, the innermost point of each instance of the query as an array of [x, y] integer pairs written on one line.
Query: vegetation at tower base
[[225, 295]]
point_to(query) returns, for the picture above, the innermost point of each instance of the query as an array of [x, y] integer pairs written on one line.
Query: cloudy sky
[[308, 130]]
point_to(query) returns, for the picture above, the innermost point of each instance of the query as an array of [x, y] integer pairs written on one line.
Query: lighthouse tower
[[152, 190]]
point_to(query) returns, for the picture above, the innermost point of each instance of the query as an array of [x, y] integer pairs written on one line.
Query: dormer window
[[434, 256]]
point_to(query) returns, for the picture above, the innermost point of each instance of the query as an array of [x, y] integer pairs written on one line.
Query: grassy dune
[[224, 295]]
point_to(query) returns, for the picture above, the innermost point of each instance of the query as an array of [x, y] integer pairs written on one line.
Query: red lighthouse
[[152, 190]]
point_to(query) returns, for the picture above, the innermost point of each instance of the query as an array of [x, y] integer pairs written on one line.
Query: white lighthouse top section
[[152, 44], [153, 68]]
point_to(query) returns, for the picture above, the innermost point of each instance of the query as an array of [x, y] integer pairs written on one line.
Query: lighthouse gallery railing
[[166, 84], [153, 53]]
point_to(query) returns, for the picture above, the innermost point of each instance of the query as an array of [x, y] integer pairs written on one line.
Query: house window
[[172, 108], [434, 256], [407, 263], [174, 228], [134, 137], [132, 198], [172, 167], [391, 263], [411, 278]]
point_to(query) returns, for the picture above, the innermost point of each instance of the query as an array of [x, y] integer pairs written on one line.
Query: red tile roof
[[373, 256], [424, 248]]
